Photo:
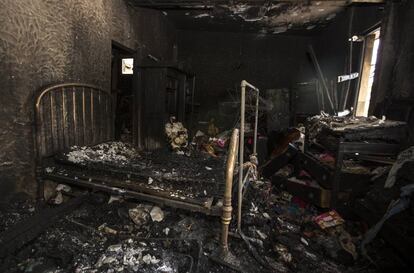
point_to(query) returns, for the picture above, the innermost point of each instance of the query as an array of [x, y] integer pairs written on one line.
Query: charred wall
[[392, 92], [221, 60], [393, 89], [50, 41]]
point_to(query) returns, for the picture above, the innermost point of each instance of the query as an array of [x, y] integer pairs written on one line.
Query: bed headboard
[[71, 114]]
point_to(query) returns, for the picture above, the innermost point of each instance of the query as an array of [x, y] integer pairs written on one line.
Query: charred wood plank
[[95, 185], [135, 186]]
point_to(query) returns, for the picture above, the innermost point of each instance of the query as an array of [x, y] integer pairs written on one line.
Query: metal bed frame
[[253, 157], [81, 114], [69, 114]]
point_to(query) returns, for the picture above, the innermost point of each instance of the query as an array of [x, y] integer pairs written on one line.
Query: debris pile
[[324, 126], [281, 231], [16, 210], [212, 145], [288, 232], [285, 233], [347, 122], [108, 152], [132, 256], [197, 175]]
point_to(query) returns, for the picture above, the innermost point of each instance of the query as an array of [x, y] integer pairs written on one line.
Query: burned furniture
[[341, 156], [358, 139], [77, 117]]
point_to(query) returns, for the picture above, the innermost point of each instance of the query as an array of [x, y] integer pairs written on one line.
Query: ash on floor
[[126, 236]]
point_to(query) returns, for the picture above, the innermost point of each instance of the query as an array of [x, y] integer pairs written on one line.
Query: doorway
[[122, 71]]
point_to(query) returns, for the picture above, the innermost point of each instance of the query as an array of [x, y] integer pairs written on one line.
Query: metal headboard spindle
[[61, 118]]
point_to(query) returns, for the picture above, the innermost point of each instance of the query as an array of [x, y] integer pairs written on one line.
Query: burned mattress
[[196, 178], [327, 130]]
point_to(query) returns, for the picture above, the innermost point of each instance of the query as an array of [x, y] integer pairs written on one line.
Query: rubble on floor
[[123, 236], [349, 123], [197, 176], [15, 210], [113, 151]]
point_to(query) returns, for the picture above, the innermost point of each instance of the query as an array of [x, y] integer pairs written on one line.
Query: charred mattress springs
[[197, 176]]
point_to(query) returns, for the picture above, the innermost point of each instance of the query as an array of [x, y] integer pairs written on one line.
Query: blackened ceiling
[[260, 16]]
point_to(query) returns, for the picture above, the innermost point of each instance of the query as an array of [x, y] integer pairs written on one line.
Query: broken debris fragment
[[347, 244], [114, 198], [49, 169], [157, 215], [284, 254], [304, 241], [106, 152], [138, 215], [106, 229], [63, 187], [329, 219], [58, 199], [261, 234], [148, 259], [266, 215]]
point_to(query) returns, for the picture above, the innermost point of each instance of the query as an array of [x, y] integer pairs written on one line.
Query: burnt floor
[[101, 237]]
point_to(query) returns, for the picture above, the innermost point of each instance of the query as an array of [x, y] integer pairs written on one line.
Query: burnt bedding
[[329, 130], [357, 128], [197, 177]]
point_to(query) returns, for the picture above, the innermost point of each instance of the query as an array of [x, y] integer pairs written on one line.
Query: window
[[372, 42], [127, 66]]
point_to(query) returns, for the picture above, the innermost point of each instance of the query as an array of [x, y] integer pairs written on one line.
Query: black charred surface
[[267, 61], [75, 242], [398, 230], [29, 229], [45, 42], [195, 176], [249, 16], [393, 88], [329, 130]]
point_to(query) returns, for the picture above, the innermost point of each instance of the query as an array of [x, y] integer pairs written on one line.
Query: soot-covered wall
[[50, 41], [221, 60], [393, 89]]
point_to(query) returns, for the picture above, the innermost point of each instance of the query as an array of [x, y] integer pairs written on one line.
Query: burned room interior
[[206, 136]]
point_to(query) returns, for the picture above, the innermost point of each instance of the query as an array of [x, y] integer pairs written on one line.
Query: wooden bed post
[[223, 254], [227, 208]]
